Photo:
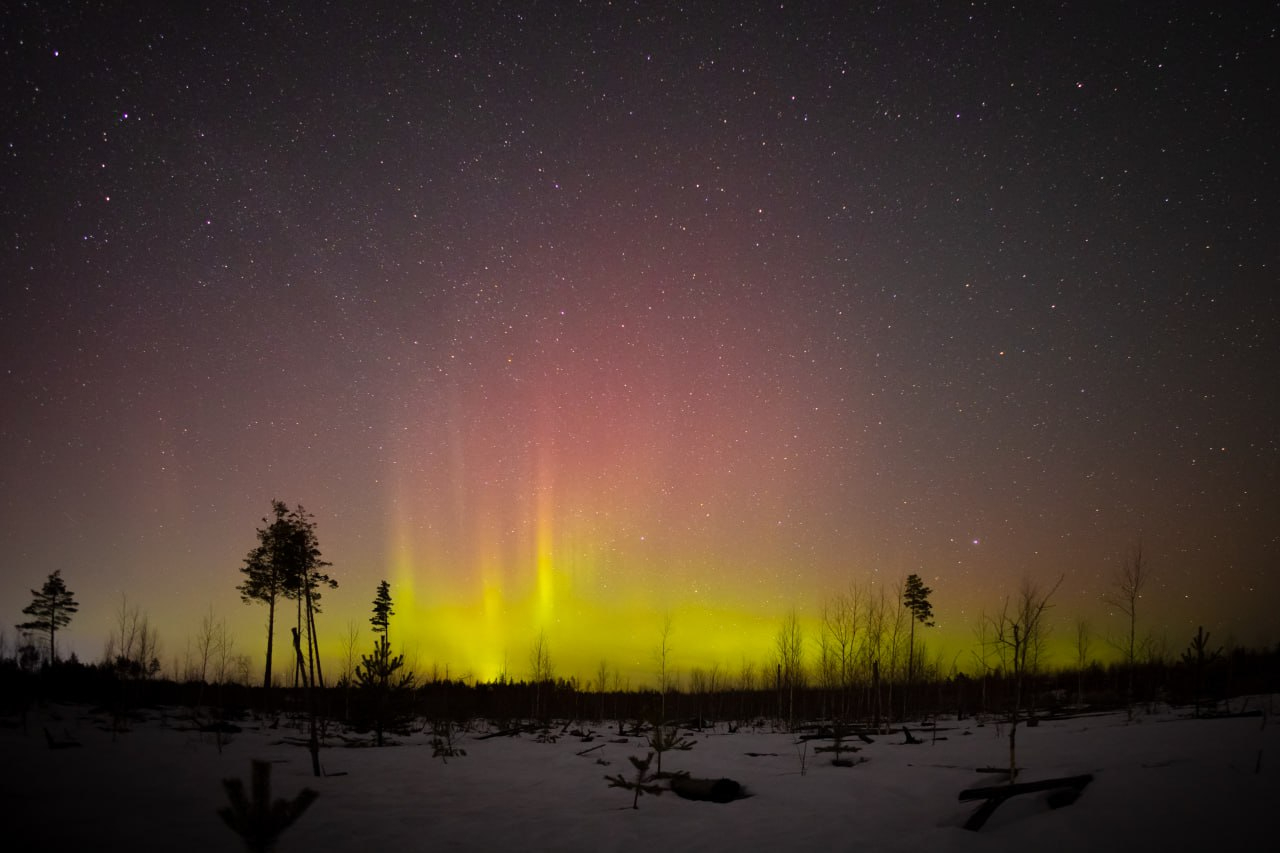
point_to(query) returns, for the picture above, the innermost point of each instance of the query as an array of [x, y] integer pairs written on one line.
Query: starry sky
[[562, 317]]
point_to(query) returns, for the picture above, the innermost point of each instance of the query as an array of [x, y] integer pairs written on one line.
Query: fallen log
[[54, 743], [989, 769], [1065, 791], [707, 790], [220, 726], [502, 733]]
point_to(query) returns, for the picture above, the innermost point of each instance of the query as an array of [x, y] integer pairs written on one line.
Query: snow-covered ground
[[1163, 782]]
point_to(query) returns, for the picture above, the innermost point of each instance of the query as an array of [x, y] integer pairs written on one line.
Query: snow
[[1162, 781]]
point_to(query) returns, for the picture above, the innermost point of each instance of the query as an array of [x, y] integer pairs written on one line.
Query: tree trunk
[[271, 634], [309, 676], [911, 651], [1018, 664]]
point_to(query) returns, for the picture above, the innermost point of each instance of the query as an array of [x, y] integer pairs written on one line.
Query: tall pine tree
[[52, 607], [382, 612], [916, 599], [375, 671], [264, 571], [286, 564]]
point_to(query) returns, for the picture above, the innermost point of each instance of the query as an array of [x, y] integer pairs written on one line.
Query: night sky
[[564, 317]]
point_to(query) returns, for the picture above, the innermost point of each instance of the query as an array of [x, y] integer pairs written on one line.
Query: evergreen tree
[[264, 574], [644, 783], [377, 672], [915, 597], [52, 607], [304, 581], [286, 564], [382, 612], [259, 821]]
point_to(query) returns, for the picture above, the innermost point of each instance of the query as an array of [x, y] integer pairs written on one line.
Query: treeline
[[1184, 682], [868, 660]]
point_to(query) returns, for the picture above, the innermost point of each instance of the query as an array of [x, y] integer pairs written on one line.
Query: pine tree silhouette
[[259, 822], [52, 607]]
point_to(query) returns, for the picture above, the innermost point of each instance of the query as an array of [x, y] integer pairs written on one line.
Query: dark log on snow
[[54, 743], [707, 790], [1065, 790], [221, 726], [503, 733]]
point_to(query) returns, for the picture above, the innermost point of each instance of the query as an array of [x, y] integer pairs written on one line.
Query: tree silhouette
[[1020, 631], [789, 664], [644, 783], [286, 563], [264, 574], [304, 581], [52, 607], [1130, 579], [376, 671], [1197, 656], [382, 612], [260, 821], [915, 597]]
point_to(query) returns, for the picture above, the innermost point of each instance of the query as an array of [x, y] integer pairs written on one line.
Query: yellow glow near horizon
[[489, 634], [518, 538], [491, 637]]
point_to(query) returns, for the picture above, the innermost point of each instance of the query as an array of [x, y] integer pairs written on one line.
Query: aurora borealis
[[562, 317]]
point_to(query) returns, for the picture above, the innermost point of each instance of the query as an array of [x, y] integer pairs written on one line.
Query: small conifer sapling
[[644, 783], [260, 822]]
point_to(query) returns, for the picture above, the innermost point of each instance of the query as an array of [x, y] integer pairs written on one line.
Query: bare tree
[[540, 666], [1084, 640], [715, 686], [1127, 584], [840, 633], [1018, 629], [204, 643], [747, 675], [224, 646], [982, 654], [895, 634], [350, 655], [662, 657], [789, 651], [698, 687], [243, 663], [874, 646], [133, 647], [542, 672], [602, 683], [602, 676]]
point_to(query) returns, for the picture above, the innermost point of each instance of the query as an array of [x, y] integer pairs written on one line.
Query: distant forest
[[868, 666]]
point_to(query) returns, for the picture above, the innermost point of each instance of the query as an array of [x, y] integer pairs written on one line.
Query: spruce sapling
[[666, 739], [260, 822], [644, 782]]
